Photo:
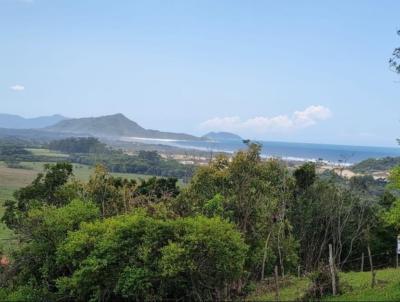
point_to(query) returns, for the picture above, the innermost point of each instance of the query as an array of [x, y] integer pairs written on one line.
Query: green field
[[12, 179], [16, 178], [46, 152], [355, 286]]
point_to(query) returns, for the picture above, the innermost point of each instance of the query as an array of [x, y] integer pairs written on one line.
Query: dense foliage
[[134, 254], [376, 164], [253, 194], [146, 162], [90, 151], [142, 258], [112, 239], [394, 60], [392, 216], [78, 145]]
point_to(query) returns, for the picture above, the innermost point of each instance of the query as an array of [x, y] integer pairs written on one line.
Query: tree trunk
[[265, 256]]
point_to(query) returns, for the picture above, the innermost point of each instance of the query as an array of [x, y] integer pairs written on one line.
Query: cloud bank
[[17, 87], [276, 124]]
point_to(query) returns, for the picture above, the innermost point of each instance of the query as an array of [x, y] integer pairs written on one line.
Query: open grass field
[[46, 152], [355, 286], [13, 178]]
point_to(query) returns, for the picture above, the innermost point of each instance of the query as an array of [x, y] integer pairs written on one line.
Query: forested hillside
[[115, 125], [374, 165], [17, 122]]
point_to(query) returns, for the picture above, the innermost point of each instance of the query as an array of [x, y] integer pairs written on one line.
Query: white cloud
[[17, 87], [263, 124]]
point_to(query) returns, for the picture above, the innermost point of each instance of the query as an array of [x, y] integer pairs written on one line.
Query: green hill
[[375, 165], [12, 121], [116, 125]]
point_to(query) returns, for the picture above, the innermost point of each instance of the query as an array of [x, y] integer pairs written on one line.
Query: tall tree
[[394, 60]]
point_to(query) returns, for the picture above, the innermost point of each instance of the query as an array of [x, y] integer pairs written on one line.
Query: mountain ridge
[[115, 125], [13, 121]]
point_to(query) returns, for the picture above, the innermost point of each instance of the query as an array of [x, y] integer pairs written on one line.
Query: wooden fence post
[[298, 271], [276, 284], [362, 262], [397, 251], [372, 267], [332, 268]]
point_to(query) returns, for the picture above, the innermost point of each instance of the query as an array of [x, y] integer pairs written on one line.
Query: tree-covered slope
[[373, 165]]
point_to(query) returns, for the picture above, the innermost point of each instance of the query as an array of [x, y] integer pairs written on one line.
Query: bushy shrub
[[137, 257]]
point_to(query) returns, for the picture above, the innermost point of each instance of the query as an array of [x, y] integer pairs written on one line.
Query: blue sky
[[304, 71]]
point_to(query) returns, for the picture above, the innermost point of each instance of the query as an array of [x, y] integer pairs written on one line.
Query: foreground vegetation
[[237, 222], [12, 179]]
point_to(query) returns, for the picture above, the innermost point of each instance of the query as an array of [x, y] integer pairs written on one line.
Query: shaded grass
[[291, 289]]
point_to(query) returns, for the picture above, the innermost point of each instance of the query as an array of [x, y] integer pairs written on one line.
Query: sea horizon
[[292, 151]]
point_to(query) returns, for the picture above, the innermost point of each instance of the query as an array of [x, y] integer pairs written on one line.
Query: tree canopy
[[113, 239]]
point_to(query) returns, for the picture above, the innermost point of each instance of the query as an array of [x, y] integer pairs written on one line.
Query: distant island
[[218, 136]]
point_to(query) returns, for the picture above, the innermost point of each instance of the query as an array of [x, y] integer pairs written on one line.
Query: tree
[[78, 145], [327, 212], [137, 257], [394, 60], [105, 191], [253, 194], [305, 176], [157, 188], [150, 156], [50, 187], [42, 230], [392, 216], [46, 186]]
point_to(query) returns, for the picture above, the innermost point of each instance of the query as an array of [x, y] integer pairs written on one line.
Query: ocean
[[333, 154]]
